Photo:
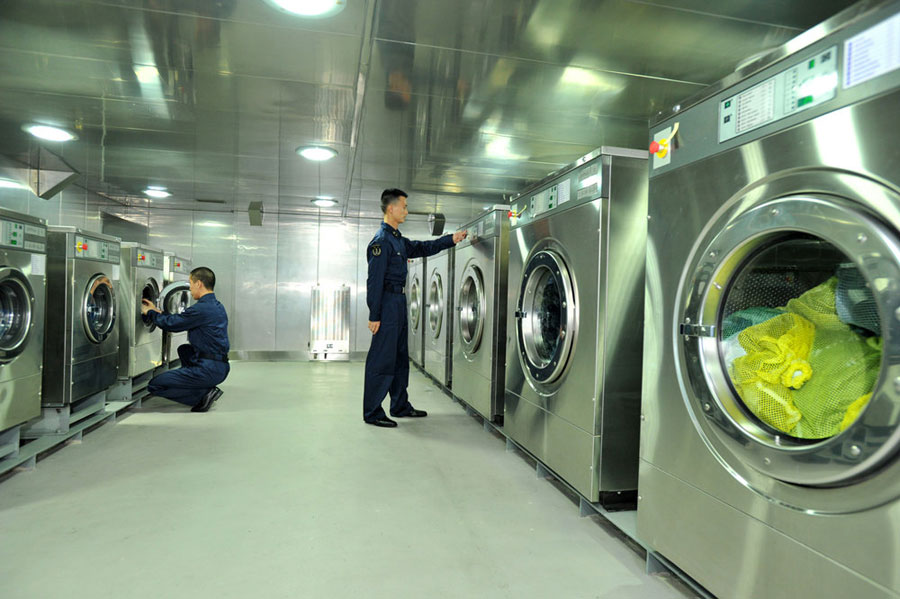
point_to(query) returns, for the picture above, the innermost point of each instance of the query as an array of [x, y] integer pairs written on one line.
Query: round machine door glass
[[16, 304], [99, 308], [545, 317], [150, 291], [789, 341], [415, 307], [472, 305], [177, 302], [436, 304]]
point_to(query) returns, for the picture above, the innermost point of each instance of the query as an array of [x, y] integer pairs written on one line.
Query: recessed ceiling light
[[311, 8], [155, 191], [146, 73], [10, 184], [49, 133], [316, 153], [324, 202], [324, 197]]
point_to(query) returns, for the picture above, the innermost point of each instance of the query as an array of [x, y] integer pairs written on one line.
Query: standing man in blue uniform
[[387, 364], [204, 359]]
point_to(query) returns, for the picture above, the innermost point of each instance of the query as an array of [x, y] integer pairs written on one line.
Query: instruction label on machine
[[872, 53]]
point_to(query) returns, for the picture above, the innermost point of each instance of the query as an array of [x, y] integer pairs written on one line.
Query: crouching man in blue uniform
[[204, 359], [387, 364]]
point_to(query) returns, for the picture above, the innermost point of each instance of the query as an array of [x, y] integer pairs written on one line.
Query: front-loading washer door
[[415, 304], [545, 318], [471, 309], [98, 308], [149, 291], [435, 304], [16, 306], [789, 340], [175, 297]]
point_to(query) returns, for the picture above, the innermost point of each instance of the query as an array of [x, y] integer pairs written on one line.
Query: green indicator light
[[812, 63], [804, 101], [728, 104]]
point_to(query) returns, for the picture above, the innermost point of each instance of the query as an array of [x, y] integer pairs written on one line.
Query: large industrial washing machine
[[479, 295], [175, 270], [415, 310], [575, 322], [140, 341], [769, 460], [438, 321], [23, 257], [81, 341]]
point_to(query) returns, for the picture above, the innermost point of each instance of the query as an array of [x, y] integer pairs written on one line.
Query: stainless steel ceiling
[[457, 101]]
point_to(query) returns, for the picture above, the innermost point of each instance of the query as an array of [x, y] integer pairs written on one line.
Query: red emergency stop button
[[654, 147]]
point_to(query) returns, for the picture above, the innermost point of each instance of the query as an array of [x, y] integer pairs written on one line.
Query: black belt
[[395, 288], [214, 357]]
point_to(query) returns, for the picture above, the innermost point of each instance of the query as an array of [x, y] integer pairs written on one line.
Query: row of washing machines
[[70, 319], [723, 335]]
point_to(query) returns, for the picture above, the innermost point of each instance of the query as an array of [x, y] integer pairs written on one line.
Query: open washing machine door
[[415, 303], [546, 319], [149, 291], [435, 304], [471, 309], [16, 305], [789, 347], [175, 297], [98, 308]]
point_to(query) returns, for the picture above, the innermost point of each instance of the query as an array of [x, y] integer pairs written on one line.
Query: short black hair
[[389, 196], [205, 276]]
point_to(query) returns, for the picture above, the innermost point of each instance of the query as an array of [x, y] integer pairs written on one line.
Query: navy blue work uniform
[[387, 365], [204, 359]]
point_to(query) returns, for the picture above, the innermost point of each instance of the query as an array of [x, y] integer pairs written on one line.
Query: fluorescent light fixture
[[324, 202], [311, 8], [146, 74], [316, 153], [156, 191], [10, 184], [49, 133]]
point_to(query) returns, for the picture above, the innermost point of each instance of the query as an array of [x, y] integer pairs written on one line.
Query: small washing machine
[[175, 269], [81, 340], [438, 321], [415, 306], [140, 341], [575, 322], [479, 295], [23, 257], [770, 458]]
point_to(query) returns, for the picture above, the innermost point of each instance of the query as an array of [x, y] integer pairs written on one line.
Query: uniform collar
[[389, 229], [208, 297]]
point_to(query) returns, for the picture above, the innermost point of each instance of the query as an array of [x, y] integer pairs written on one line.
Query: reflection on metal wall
[[329, 323]]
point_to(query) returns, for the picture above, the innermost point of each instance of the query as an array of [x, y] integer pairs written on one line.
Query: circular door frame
[[149, 282], [546, 379], [791, 467], [437, 281], [472, 273], [93, 336], [415, 303], [20, 279]]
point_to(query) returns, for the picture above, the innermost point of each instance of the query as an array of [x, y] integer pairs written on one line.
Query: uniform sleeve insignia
[[376, 250]]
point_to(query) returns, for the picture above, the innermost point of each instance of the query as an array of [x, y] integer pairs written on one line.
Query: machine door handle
[[696, 330], [520, 314]]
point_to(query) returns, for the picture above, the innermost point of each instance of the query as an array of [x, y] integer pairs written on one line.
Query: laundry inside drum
[[800, 337]]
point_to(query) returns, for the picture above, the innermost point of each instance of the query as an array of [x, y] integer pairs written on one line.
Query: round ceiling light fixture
[[315, 9], [157, 191], [49, 132], [324, 201], [317, 153]]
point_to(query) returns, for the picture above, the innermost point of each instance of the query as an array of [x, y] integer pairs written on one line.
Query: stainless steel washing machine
[[140, 347], [22, 292], [81, 340], [479, 295], [575, 320], [438, 321], [416, 312], [771, 431], [175, 269]]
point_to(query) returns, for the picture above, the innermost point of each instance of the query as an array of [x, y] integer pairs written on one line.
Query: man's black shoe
[[413, 413], [208, 400], [383, 422]]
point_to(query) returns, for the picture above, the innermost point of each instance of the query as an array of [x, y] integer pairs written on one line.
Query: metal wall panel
[[255, 278], [172, 231], [213, 235], [295, 277]]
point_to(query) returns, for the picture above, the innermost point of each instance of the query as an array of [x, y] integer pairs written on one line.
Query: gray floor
[[282, 491]]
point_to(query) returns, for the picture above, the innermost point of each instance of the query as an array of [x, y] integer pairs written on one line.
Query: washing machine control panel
[[147, 258], [22, 236], [91, 248]]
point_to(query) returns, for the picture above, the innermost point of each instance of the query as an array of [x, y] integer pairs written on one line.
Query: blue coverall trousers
[[188, 384], [387, 364]]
